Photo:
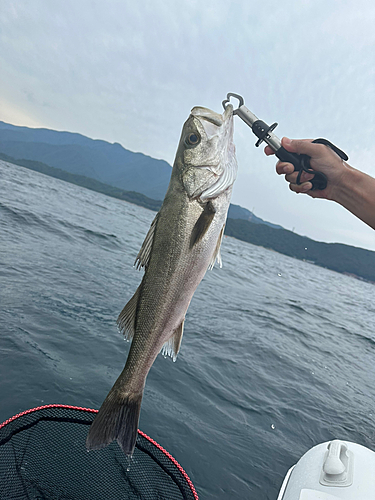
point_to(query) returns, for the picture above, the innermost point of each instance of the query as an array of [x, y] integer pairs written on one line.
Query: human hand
[[323, 159]]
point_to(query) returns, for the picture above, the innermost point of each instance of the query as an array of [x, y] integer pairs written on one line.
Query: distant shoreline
[[351, 261]]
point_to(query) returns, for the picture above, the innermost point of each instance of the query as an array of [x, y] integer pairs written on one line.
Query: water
[[277, 354]]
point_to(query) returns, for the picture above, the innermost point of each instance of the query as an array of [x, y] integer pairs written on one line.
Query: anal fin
[[172, 346], [126, 319]]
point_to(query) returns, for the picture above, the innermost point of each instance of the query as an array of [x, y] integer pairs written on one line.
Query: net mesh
[[43, 456]]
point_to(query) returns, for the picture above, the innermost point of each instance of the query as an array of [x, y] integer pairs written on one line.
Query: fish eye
[[193, 139]]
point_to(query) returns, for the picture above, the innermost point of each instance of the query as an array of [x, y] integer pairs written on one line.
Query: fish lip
[[217, 152], [228, 113], [212, 123], [211, 116]]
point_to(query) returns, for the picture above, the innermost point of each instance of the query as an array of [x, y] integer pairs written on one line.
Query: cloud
[[11, 114], [130, 72]]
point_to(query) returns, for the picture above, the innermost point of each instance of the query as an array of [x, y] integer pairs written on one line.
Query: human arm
[[349, 187]]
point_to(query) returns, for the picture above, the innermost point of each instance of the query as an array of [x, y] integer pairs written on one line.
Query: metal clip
[[226, 101], [265, 134]]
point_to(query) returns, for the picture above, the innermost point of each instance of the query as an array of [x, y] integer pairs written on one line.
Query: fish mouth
[[221, 161], [213, 122], [211, 116]]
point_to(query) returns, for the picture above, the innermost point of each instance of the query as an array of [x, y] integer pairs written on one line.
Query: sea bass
[[182, 243]]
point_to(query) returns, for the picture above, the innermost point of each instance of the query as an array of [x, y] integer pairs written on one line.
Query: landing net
[[43, 456]]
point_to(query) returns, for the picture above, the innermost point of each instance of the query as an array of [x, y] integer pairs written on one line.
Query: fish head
[[206, 153]]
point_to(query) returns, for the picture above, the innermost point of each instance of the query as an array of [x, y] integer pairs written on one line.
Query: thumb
[[300, 146]]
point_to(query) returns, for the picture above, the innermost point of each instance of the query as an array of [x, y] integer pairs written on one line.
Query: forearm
[[356, 192], [347, 186]]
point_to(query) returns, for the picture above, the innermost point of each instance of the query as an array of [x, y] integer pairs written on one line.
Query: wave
[[26, 220]]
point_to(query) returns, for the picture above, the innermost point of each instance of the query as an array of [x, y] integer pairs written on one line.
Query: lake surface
[[277, 354]]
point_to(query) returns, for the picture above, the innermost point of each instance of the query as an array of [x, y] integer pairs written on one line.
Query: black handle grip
[[302, 163]]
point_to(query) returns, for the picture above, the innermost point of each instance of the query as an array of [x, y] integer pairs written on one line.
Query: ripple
[[294, 351]]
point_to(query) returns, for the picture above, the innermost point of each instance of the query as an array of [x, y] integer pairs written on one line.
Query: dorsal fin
[[216, 255], [172, 346], [126, 319], [203, 223], [143, 257]]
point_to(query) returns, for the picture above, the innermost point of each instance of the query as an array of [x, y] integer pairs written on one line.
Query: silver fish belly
[[182, 243]]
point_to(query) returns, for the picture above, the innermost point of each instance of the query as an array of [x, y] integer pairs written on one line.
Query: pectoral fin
[[202, 224], [126, 319], [144, 254], [216, 255], [172, 346]]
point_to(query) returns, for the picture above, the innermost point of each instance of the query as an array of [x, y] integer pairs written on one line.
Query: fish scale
[[182, 243]]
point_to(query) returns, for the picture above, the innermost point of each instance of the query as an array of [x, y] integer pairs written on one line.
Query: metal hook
[[241, 101]]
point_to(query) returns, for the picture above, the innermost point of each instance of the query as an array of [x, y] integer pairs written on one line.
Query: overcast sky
[[130, 72]]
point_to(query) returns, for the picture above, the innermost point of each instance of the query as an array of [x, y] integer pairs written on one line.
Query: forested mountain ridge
[[336, 256], [105, 162]]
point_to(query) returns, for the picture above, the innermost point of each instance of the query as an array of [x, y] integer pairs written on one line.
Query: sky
[[129, 72]]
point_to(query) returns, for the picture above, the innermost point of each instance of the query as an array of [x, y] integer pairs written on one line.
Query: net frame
[[149, 440]]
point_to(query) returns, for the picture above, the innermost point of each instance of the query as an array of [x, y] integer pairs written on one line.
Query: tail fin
[[117, 419]]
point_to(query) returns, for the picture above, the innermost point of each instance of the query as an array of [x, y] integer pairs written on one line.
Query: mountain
[[338, 257], [87, 182], [342, 258], [238, 212], [108, 163]]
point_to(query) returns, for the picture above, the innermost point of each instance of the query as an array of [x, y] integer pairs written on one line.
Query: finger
[[292, 178], [301, 188], [303, 146], [284, 168], [269, 151], [304, 177]]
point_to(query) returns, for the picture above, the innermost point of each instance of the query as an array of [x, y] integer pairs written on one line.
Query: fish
[[183, 241]]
